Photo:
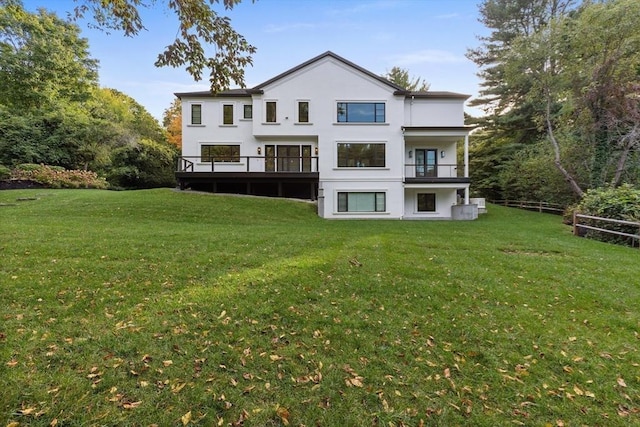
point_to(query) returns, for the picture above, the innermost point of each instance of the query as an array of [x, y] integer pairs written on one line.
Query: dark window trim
[[378, 113], [268, 114], [351, 160], [343, 201], [227, 108], [197, 116], [427, 202], [233, 156]]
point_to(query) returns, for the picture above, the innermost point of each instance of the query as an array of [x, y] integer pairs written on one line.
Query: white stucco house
[[330, 130]]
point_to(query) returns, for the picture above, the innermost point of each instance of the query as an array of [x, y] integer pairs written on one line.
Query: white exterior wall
[[212, 132], [335, 82], [445, 198], [434, 112]]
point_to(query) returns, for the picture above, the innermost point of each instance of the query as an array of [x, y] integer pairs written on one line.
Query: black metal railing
[[283, 164], [440, 170]]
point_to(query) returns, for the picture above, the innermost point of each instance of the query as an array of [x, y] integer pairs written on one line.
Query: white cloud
[[428, 56]]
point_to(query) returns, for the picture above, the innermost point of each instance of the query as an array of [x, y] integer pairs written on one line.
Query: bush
[[145, 164], [622, 203], [57, 177], [5, 172]]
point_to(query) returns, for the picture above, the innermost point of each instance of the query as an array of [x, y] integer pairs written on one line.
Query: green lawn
[[169, 308]]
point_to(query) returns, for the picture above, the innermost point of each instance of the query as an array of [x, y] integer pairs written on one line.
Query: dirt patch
[[19, 184]]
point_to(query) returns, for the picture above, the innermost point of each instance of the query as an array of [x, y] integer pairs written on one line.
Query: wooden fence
[[532, 206], [577, 227]]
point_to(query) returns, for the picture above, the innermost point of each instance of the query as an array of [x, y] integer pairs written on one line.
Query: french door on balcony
[[287, 158], [426, 162]]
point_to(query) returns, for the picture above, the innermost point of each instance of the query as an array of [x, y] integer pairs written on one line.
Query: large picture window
[[361, 202], [426, 202], [361, 112], [361, 155], [196, 114], [227, 114], [220, 153]]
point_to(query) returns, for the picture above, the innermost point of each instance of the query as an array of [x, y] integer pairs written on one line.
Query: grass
[[168, 308]]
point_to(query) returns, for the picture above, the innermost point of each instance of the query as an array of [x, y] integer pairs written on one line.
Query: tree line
[[53, 111], [561, 93]]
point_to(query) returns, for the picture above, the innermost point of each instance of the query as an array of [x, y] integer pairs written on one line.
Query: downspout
[[466, 167]]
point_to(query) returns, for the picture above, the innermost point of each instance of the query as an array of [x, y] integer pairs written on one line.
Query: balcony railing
[[278, 164], [440, 170]]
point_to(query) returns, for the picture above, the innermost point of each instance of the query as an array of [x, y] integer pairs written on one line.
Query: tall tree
[[401, 77], [43, 60], [199, 26], [506, 112]]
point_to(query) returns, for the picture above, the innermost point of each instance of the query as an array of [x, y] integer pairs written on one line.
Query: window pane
[[303, 112], [361, 112], [271, 112], [361, 202], [196, 114], [426, 202], [220, 153], [361, 155], [248, 111], [227, 112], [342, 202]]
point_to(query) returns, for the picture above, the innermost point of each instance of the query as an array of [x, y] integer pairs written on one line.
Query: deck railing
[[415, 170], [283, 164]]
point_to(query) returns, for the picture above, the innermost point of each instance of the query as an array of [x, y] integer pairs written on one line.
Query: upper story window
[[196, 114], [361, 112], [227, 114], [303, 111], [271, 112], [361, 155], [220, 153], [247, 111]]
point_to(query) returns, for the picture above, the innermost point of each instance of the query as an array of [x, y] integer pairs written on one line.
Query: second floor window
[[196, 114], [303, 111], [360, 155], [227, 114], [361, 112], [248, 111], [271, 112]]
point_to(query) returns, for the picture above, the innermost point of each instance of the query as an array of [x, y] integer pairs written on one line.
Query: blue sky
[[429, 38]]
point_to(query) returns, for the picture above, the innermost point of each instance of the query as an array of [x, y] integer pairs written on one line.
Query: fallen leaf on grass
[[621, 382], [131, 405], [186, 418], [283, 413]]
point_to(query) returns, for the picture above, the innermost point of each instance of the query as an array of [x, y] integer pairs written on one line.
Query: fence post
[[575, 229]]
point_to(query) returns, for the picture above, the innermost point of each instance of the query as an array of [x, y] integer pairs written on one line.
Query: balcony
[[440, 173], [281, 176]]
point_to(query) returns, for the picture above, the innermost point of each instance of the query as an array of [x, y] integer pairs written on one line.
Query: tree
[[43, 60], [172, 122], [199, 26], [401, 77], [583, 70], [508, 116]]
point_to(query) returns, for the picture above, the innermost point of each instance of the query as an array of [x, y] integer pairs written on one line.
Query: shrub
[[145, 164], [57, 177], [5, 172], [622, 203]]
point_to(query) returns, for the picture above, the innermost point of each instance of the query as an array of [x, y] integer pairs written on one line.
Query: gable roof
[[329, 54], [398, 90]]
